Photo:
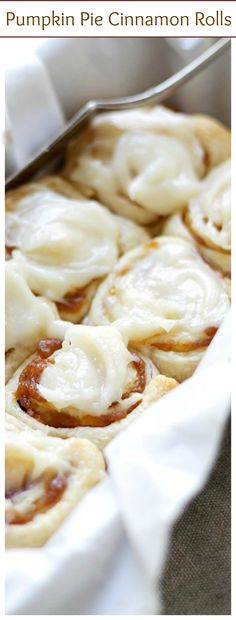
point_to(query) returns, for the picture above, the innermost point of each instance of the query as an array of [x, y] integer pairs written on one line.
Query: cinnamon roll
[[64, 244], [146, 163], [27, 318], [207, 220], [166, 301], [84, 384], [45, 478]]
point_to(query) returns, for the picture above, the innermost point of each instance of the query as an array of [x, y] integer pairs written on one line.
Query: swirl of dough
[[163, 295], [88, 385], [64, 245], [145, 163], [207, 220], [208, 214], [45, 478]]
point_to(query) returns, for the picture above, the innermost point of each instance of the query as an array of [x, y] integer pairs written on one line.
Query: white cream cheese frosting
[[62, 244], [27, 316], [89, 372], [142, 163]]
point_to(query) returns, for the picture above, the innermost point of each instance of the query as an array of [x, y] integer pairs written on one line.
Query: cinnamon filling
[[73, 302], [30, 400], [185, 347], [140, 383], [9, 249], [27, 390], [77, 300], [152, 245], [53, 492], [48, 346]]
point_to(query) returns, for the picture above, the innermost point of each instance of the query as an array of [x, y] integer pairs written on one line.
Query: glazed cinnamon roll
[[65, 245], [27, 318], [166, 301], [45, 478], [207, 220], [84, 384], [144, 164]]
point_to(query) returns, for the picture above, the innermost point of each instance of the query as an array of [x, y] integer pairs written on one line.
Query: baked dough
[[45, 478], [182, 365], [207, 219], [27, 318], [162, 296], [88, 385], [64, 244], [146, 163]]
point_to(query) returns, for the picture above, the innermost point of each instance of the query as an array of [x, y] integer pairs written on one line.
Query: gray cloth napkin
[[197, 576]]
